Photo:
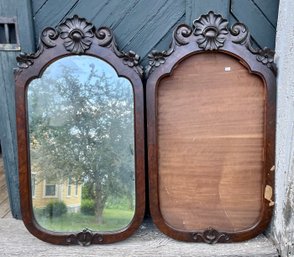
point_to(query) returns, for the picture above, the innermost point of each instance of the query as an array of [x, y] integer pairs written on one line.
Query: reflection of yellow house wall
[[72, 200]]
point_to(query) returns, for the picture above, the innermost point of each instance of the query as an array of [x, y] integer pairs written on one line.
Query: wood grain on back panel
[[211, 144]]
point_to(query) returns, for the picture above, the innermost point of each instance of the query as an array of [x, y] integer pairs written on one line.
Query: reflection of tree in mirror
[[82, 126]]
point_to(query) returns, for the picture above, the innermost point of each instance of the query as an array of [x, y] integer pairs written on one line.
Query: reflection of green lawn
[[113, 219]]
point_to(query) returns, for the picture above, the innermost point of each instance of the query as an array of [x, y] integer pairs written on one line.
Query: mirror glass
[[81, 132]]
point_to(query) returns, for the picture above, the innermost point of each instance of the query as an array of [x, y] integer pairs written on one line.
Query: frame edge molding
[[76, 36], [210, 33]]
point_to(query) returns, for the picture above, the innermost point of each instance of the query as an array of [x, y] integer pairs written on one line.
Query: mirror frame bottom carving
[[76, 36]]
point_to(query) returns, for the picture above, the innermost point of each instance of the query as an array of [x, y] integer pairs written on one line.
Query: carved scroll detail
[[106, 39], [210, 32], [241, 35], [84, 238], [46, 40], [180, 37], [211, 236], [78, 35]]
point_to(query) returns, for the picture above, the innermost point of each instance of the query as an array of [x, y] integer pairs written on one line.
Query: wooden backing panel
[[210, 144]]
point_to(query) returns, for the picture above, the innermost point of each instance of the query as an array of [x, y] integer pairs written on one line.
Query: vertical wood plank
[[114, 12], [88, 9], [37, 4], [161, 23], [22, 10], [165, 40], [134, 28], [195, 8], [261, 30], [51, 14], [269, 9]]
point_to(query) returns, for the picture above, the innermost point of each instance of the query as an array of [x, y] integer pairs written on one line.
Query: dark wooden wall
[[139, 25], [20, 9], [142, 25]]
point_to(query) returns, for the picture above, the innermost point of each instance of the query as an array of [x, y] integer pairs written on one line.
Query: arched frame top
[[76, 36], [210, 33]]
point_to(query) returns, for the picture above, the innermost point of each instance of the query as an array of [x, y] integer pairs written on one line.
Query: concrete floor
[[15, 240]]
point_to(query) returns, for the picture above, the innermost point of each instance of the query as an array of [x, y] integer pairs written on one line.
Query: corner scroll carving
[[84, 238], [106, 39], [78, 35], [180, 37], [25, 60], [241, 35], [211, 236]]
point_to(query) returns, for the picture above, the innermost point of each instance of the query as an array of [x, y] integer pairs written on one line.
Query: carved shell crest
[[78, 35], [210, 32]]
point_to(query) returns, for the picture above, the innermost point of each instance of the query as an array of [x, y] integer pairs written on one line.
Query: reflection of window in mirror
[[50, 188], [33, 185], [69, 186], [77, 188]]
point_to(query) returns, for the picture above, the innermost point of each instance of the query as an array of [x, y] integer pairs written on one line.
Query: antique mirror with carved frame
[[211, 106], [76, 78]]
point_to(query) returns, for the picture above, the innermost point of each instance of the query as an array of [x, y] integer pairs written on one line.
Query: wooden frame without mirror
[[211, 102], [80, 128]]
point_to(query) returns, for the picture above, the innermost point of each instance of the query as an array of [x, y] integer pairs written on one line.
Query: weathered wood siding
[[139, 25], [142, 25], [22, 10]]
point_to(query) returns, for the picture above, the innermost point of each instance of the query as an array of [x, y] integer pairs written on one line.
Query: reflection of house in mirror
[[45, 191]]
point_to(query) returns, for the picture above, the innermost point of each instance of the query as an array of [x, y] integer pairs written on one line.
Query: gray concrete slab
[[15, 240]]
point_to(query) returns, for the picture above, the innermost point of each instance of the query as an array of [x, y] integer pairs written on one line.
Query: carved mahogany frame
[[76, 36], [211, 33]]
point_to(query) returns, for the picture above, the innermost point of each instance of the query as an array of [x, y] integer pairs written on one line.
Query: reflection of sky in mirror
[[81, 66]]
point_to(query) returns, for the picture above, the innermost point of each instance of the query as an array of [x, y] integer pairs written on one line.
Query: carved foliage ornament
[[210, 33], [78, 35], [211, 236], [84, 238]]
